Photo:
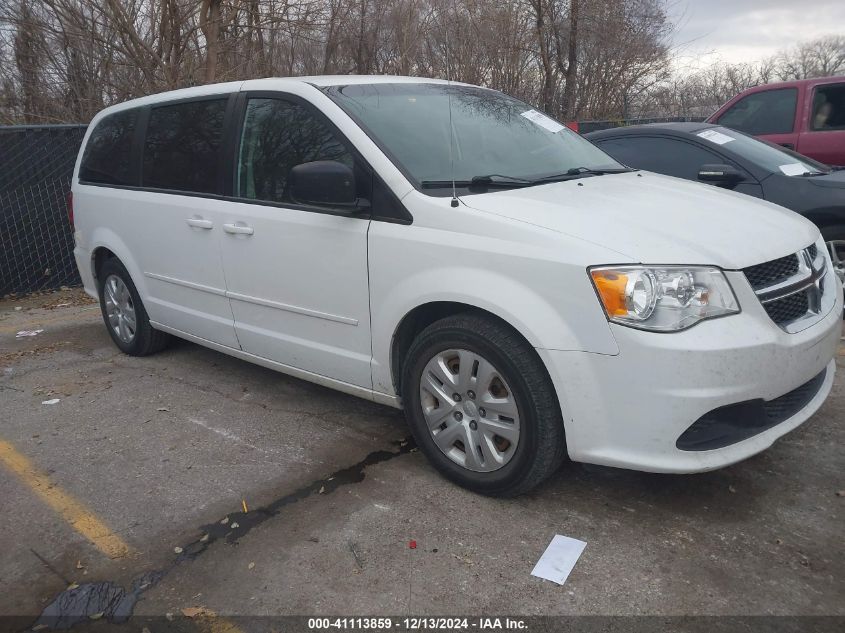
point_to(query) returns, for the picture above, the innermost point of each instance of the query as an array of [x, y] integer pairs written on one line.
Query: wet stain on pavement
[[109, 601], [95, 600]]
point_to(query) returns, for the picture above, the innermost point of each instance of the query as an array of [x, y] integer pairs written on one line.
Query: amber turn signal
[[611, 287]]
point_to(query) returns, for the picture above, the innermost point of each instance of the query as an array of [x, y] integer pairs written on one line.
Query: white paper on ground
[[793, 169], [559, 558], [23, 333], [51, 401], [715, 137], [542, 120]]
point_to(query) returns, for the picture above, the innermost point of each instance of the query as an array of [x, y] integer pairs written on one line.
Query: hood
[[835, 179], [654, 219]]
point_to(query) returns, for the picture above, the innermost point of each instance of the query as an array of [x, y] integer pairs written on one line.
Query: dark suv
[[732, 160]]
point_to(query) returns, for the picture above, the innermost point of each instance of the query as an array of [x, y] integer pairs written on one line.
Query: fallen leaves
[[9, 357], [197, 612]]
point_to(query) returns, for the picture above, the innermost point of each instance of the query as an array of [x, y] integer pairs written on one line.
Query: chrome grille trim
[[809, 273], [809, 279]]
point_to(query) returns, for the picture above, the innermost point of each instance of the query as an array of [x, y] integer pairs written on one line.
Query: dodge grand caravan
[[449, 250]]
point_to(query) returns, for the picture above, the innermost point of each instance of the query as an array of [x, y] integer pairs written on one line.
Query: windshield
[[767, 155], [493, 134]]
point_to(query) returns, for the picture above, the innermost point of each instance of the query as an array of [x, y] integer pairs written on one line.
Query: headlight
[[664, 298]]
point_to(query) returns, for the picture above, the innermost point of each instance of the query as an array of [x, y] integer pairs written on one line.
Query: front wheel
[[834, 237], [481, 406]]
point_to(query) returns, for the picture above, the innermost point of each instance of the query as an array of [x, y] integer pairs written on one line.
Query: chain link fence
[[36, 239]]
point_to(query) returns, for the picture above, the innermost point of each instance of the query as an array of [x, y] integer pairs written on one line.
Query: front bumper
[[628, 410]]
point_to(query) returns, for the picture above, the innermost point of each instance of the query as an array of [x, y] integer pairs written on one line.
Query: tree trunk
[[210, 26], [570, 90], [547, 94]]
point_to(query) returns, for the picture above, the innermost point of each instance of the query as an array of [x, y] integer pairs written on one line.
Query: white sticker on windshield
[[794, 169], [715, 137], [542, 120]]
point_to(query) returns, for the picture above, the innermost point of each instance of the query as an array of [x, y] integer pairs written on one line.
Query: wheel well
[[98, 258], [420, 318]]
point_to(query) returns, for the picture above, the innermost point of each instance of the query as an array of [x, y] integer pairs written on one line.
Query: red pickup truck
[[807, 116]]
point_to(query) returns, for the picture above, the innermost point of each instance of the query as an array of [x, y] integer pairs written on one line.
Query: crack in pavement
[[109, 601]]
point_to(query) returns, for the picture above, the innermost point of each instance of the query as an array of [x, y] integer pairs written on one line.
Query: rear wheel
[[481, 406], [124, 314]]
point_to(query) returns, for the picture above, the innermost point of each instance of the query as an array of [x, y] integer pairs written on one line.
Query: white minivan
[[449, 250]]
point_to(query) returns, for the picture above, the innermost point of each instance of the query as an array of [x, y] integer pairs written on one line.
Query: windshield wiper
[[490, 180], [499, 180], [580, 172]]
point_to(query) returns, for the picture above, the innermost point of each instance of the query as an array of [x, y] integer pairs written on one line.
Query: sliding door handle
[[238, 228], [199, 223]]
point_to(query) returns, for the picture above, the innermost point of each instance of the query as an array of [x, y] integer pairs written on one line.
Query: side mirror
[[720, 175], [324, 183]]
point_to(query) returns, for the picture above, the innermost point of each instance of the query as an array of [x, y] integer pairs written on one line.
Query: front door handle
[[200, 223], [238, 228], [787, 145]]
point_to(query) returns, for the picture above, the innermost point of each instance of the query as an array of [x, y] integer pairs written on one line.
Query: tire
[[144, 340], [836, 233], [519, 376]]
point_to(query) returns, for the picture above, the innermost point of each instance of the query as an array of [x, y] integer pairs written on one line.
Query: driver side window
[[663, 155], [277, 136], [768, 112]]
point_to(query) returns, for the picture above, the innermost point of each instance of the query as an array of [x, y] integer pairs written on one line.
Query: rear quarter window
[[828, 108], [107, 158]]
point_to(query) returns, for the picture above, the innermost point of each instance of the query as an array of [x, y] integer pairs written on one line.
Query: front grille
[[736, 422], [791, 288], [770, 272], [789, 308]]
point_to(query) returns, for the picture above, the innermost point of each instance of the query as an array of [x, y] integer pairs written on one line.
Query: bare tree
[[63, 60]]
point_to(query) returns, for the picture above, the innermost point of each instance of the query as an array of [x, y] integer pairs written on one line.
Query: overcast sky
[[748, 30]]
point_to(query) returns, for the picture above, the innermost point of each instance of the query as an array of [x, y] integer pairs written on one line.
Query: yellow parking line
[[218, 625], [76, 514], [207, 621]]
